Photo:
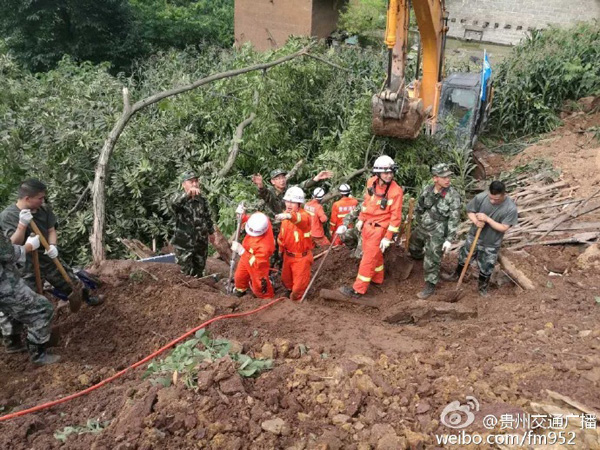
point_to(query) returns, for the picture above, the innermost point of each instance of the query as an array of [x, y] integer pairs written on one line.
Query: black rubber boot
[[14, 344], [91, 300], [483, 285], [350, 292], [454, 276], [427, 291], [40, 356], [239, 293]]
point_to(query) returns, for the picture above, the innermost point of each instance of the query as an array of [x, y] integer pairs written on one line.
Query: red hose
[[133, 366]]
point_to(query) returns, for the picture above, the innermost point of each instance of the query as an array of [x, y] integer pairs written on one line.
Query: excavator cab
[[460, 102]]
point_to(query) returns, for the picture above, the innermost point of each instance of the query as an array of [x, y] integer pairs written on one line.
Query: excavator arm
[[400, 111]]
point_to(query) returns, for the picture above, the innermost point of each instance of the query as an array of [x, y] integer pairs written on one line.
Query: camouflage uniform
[[352, 237], [437, 216], [20, 302], [486, 256], [193, 225]]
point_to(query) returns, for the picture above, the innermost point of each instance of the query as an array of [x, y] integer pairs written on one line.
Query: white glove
[[359, 225], [25, 217], [52, 252], [240, 209], [341, 229], [446, 246], [384, 244], [238, 248], [34, 241], [283, 216]]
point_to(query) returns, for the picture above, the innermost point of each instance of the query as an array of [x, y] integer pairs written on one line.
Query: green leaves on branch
[[541, 73]]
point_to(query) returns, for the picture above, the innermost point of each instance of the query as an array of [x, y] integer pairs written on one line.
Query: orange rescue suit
[[253, 268], [339, 210], [378, 222], [317, 219], [296, 245]]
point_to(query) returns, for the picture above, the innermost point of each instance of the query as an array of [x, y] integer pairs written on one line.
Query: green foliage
[[53, 126], [541, 73], [364, 18], [179, 23], [41, 33], [186, 358], [93, 426]]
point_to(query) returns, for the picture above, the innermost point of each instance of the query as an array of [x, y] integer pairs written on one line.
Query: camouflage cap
[[187, 175], [441, 170], [277, 172]]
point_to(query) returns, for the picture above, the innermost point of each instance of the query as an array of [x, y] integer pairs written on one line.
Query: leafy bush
[[93, 426], [186, 357], [53, 125], [546, 69], [364, 18]]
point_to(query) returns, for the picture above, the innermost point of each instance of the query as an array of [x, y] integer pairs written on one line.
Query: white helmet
[[294, 194], [319, 193], [257, 224], [384, 164], [344, 189]]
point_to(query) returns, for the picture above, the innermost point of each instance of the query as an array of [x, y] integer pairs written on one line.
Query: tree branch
[[98, 191], [235, 145], [294, 170], [335, 193], [329, 63], [80, 200]]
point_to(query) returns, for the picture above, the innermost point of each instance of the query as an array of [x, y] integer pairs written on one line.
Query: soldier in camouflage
[[437, 215], [193, 226], [22, 304], [350, 235], [272, 196]]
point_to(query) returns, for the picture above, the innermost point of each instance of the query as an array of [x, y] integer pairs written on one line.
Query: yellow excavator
[[401, 109]]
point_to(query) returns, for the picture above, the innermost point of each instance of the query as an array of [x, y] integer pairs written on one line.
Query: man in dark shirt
[[495, 213], [14, 222]]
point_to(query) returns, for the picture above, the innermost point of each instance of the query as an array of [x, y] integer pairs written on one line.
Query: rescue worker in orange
[[341, 209], [255, 250], [379, 220], [295, 244], [317, 218]]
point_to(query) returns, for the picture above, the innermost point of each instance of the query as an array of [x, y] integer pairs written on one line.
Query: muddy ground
[[342, 376]]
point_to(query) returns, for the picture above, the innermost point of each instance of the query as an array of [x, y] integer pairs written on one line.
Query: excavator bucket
[[401, 117]]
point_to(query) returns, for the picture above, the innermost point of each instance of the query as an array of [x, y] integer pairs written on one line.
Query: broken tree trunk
[[514, 273], [425, 310], [129, 110]]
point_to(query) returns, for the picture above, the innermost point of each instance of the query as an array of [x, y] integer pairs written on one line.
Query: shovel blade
[[454, 296], [75, 297]]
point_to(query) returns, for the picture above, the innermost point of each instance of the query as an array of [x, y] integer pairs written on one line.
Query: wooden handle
[[36, 270], [471, 251], [409, 218], [45, 244]]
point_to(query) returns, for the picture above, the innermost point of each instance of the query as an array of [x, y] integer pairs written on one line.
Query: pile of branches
[[550, 213]]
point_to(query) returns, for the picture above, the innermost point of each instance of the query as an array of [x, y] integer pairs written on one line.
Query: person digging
[[494, 212], [437, 215], [378, 221], [255, 251], [15, 222], [295, 244]]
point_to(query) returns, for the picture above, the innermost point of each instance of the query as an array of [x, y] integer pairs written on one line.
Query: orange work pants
[[371, 264], [321, 241], [255, 276], [295, 274]]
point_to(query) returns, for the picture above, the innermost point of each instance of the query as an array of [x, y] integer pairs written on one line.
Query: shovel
[[230, 284], [75, 296], [36, 270], [457, 294], [326, 252]]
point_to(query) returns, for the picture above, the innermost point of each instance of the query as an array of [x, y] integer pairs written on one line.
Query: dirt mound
[[573, 148], [342, 375]]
